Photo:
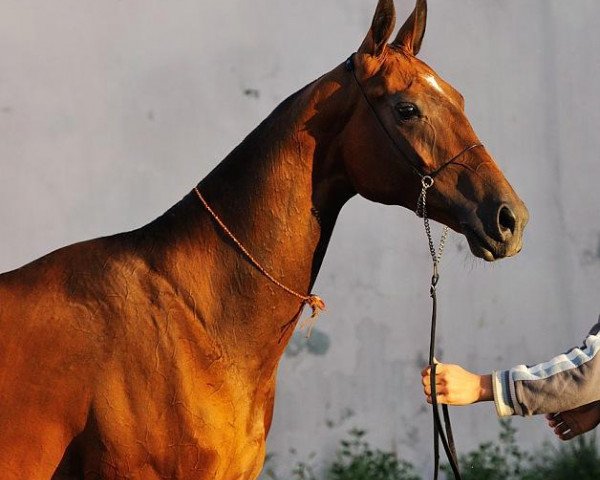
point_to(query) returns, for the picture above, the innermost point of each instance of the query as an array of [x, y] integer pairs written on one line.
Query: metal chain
[[427, 183]]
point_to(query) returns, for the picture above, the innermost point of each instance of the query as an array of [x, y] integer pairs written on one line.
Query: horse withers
[[153, 354]]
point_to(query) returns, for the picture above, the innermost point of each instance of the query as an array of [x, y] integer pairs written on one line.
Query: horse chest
[[181, 414]]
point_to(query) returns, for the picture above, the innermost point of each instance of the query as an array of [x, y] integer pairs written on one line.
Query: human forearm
[[562, 383]]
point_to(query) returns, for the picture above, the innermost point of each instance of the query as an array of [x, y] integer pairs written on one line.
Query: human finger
[[566, 431], [550, 416], [554, 421], [562, 428], [441, 398], [439, 380], [439, 367], [440, 389], [568, 435]]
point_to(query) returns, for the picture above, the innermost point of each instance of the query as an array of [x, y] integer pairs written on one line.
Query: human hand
[[457, 386], [572, 423]]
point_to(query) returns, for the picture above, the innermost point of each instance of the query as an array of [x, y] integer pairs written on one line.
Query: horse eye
[[407, 111]]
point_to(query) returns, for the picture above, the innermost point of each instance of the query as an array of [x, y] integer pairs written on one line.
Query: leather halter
[[349, 64]]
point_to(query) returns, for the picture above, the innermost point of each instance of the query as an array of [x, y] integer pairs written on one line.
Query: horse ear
[[411, 34], [382, 27]]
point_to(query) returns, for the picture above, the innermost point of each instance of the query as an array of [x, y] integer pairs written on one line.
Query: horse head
[[406, 123]]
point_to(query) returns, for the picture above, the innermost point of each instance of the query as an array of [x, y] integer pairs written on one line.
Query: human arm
[[565, 382]]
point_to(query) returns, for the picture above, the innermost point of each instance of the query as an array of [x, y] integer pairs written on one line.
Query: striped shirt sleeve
[[566, 381]]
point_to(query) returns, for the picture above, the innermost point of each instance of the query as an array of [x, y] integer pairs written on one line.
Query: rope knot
[[317, 305]]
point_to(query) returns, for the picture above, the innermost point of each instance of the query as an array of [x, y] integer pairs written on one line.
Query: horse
[[153, 353]]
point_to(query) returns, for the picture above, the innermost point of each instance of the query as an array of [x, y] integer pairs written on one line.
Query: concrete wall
[[110, 111]]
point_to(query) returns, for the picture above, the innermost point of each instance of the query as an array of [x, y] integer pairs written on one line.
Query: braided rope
[[313, 301]]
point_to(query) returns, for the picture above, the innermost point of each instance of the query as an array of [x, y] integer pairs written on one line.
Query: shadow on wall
[[592, 255], [318, 344]]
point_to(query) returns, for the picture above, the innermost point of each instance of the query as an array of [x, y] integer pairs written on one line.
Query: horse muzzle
[[496, 232]]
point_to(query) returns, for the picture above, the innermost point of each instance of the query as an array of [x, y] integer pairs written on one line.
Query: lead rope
[[315, 302], [439, 432], [426, 182]]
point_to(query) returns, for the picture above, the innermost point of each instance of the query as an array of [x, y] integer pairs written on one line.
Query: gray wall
[[110, 111]]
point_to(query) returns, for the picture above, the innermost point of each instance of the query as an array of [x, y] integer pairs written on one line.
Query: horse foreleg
[[31, 451]]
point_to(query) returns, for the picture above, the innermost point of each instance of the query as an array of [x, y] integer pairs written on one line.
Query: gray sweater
[[566, 381]]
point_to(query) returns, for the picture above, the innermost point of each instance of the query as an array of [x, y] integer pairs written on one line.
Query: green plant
[[578, 459], [301, 471], [503, 460], [355, 460], [304, 471]]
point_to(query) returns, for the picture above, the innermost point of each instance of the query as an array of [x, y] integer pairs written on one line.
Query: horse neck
[[279, 192]]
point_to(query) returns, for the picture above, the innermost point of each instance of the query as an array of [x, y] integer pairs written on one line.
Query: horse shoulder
[[49, 354]]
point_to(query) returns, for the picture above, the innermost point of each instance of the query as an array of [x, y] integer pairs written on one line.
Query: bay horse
[[152, 354]]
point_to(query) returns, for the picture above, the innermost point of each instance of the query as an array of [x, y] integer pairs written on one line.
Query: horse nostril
[[506, 221]]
